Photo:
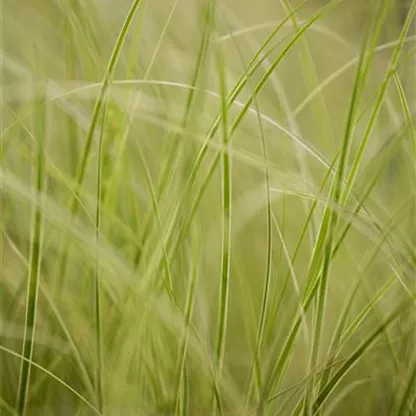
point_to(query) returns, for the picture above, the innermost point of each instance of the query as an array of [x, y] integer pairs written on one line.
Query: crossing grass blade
[[181, 384], [330, 220], [207, 245], [7, 408], [404, 406], [112, 63], [264, 311], [379, 100], [358, 353], [236, 123], [52, 376], [176, 145], [339, 330]]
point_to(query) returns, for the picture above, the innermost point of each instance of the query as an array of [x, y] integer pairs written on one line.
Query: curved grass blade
[[311, 80], [343, 316], [256, 360], [86, 379], [115, 179], [176, 147], [280, 93], [344, 393], [277, 369], [53, 376], [92, 128], [99, 382], [379, 100], [180, 379], [279, 59], [341, 70], [236, 123], [404, 406], [169, 280], [244, 79], [412, 137], [302, 236], [358, 353], [330, 220], [7, 408]]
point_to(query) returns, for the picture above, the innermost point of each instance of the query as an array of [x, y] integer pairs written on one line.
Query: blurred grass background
[[129, 286]]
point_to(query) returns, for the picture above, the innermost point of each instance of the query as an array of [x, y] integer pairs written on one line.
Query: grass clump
[[205, 211]]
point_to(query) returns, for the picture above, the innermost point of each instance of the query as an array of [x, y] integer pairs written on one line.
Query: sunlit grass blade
[[180, 379], [72, 126], [34, 272], [235, 125], [380, 97], [168, 283], [53, 376], [343, 394], [252, 66], [7, 408], [340, 334], [112, 63], [289, 46], [404, 406], [331, 217], [302, 237], [99, 382], [319, 110], [226, 198], [350, 298], [176, 146], [411, 149], [227, 211], [126, 126], [311, 80], [358, 353], [264, 311], [341, 70], [55, 315], [278, 365]]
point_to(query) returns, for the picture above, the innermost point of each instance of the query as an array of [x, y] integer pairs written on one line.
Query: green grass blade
[[55, 314], [180, 379], [331, 217], [226, 197], [235, 125], [112, 63], [380, 97], [264, 311], [358, 353], [169, 280], [34, 272], [176, 148], [7, 408], [53, 376], [404, 406], [253, 65], [99, 382], [279, 59]]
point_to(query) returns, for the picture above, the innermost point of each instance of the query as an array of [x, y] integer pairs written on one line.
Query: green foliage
[[207, 208]]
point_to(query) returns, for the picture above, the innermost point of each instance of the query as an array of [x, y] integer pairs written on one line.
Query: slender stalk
[[74, 205], [226, 182], [99, 382], [34, 272]]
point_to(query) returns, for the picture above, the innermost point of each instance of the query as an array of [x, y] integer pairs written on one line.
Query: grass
[[207, 211]]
